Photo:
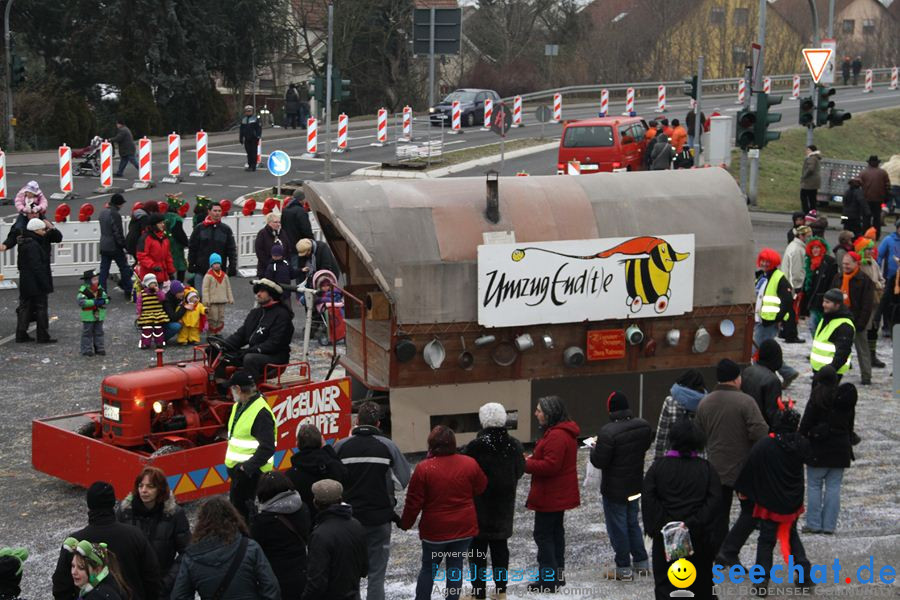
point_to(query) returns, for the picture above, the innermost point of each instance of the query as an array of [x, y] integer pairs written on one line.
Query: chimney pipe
[[492, 210]]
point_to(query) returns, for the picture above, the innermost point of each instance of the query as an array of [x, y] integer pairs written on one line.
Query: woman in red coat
[[554, 489], [443, 488], [153, 253]]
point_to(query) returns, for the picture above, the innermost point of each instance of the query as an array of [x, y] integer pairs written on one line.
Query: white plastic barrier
[[80, 248]]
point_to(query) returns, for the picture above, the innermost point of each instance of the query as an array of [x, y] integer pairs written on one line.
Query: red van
[[603, 144]]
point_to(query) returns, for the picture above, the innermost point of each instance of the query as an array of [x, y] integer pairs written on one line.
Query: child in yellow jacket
[[194, 319]]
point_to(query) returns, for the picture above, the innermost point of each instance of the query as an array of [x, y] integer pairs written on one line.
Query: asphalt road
[[227, 161]]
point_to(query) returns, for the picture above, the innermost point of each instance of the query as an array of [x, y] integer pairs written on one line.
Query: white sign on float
[[585, 280]]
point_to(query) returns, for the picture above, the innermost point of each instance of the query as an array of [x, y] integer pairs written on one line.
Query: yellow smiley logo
[[682, 573]]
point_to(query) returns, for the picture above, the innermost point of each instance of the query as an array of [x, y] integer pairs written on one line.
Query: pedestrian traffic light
[[18, 70], [745, 135], [807, 112], [765, 118], [690, 87], [824, 104], [317, 89]]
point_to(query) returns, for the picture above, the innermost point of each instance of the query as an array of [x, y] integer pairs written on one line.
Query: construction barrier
[[517, 111], [66, 185], [893, 78], [174, 154], [868, 89], [557, 107], [574, 168], [629, 102], [201, 154], [767, 85], [106, 170], [661, 98], [312, 138], [407, 125], [259, 152], [145, 160], [604, 102], [381, 128], [742, 91], [2, 175], [795, 88], [455, 118], [488, 114], [343, 126]]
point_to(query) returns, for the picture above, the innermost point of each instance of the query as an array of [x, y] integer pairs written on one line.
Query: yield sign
[[816, 59]]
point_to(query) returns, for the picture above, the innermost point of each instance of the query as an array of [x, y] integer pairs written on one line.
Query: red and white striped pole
[[557, 107], [343, 126], [66, 186], [629, 102], [259, 151], [604, 102], [573, 168], [488, 114], [893, 78], [455, 118], [661, 98], [174, 159], [767, 85], [742, 90], [381, 128], [517, 111], [3, 176], [201, 153], [106, 170], [868, 89], [795, 88], [312, 138], [407, 125], [145, 161]]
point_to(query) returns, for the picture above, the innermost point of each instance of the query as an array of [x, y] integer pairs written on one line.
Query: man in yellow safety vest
[[774, 303], [251, 441], [833, 341]]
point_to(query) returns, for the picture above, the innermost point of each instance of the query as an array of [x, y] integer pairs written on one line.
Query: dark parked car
[[471, 107]]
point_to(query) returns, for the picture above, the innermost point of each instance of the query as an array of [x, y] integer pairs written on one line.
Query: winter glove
[[99, 302]]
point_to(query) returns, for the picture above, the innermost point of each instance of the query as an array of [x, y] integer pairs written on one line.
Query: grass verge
[[780, 162]]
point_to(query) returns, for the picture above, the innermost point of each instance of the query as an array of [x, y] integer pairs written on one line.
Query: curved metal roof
[[419, 238]]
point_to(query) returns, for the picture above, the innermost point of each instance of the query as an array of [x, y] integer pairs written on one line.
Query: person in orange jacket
[[679, 135]]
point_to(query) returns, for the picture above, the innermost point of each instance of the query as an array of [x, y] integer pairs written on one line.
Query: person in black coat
[[760, 381], [854, 208], [281, 528], [338, 556], [208, 237], [502, 459], [772, 478], [619, 455], [295, 219], [265, 336], [315, 256], [250, 133], [272, 234], [136, 557], [681, 486], [151, 508], [35, 279], [314, 461], [828, 422]]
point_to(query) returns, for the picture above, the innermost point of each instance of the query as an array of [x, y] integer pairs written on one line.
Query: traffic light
[[824, 104], [317, 88], [807, 112], [340, 88], [690, 87], [764, 118], [18, 70], [745, 135], [837, 117]]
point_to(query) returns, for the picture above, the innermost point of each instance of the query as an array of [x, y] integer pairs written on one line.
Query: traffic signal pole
[[748, 75], [328, 92], [757, 76], [816, 42], [698, 120], [10, 128]]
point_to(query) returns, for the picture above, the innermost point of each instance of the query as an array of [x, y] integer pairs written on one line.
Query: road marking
[[455, 142], [243, 187], [215, 185]]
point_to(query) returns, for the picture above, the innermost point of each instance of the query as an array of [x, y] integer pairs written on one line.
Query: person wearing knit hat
[[732, 422], [216, 293], [152, 316], [501, 458], [11, 567], [92, 299], [682, 401], [760, 381], [775, 304], [819, 226], [859, 296], [834, 337], [250, 132], [139, 567], [619, 455], [35, 277]]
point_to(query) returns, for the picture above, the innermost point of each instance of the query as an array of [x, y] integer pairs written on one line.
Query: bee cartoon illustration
[[647, 278]]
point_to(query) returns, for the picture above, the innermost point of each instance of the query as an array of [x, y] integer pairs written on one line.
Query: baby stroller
[[90, 158], [328, 324]]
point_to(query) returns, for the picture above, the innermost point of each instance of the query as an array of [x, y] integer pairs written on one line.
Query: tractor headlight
[[158, 407]]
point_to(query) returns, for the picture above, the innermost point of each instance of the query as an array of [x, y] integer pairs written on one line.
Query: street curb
[[464, 166]]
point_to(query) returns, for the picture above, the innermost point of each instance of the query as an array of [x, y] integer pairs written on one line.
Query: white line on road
[[243, 187]]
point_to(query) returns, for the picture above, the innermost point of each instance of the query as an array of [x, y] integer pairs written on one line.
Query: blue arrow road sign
[[279, 163]]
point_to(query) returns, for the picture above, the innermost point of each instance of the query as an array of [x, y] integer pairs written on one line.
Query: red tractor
[[172, 416]]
